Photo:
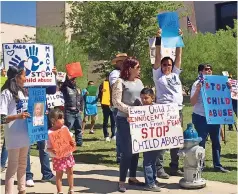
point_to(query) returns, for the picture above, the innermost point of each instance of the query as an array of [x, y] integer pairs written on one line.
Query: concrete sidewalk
[[91, 178]]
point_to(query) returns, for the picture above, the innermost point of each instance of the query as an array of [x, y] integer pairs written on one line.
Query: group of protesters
[[126, 89]]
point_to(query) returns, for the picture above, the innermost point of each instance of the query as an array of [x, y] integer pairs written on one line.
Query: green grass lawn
[[96, 151]]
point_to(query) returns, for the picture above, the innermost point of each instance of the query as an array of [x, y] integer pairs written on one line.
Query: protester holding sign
[[168, 90], [125, 92], [73, 106], [13, 112], [200, 122], [63, 160]]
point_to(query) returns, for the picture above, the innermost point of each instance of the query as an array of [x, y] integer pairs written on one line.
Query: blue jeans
[[44, 161], [118, 150], [4, 155], [149, 165], [73, 119], [203, 130], [128, 160]]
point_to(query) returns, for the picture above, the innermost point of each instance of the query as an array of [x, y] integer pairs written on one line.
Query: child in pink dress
[[60, 165]]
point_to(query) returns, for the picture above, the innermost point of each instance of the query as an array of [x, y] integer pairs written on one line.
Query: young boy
[[90, 106]]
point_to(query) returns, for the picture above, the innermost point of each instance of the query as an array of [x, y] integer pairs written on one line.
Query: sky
[[19, 12]]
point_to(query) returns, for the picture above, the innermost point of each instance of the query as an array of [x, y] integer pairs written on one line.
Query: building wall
[[11, 32], [205, 14]]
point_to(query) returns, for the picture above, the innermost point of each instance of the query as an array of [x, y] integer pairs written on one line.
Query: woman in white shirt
[[200, 122]]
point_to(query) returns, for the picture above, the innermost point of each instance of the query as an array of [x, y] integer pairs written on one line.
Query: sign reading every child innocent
[[36, 59], [216, 96], [155, 127]]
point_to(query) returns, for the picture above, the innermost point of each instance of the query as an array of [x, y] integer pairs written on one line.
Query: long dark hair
[[11, 83], [128, 63]]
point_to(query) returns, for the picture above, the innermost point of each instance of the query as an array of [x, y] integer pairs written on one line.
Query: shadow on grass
[[96, 126], [93, 159], [230, 156], [91, 139], [211, 169]]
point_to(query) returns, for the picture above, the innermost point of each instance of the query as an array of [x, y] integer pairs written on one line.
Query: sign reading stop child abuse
[[217, 102], [155, 127]]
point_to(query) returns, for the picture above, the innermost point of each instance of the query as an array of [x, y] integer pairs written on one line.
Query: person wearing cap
[[13, 111], [113, 76], [168, 86], [200, 122]]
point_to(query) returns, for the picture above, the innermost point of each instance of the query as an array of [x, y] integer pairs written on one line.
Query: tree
[[64, 51], [219, 49], [105, 28]]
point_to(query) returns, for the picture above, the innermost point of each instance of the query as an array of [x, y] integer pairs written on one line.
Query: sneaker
[[114, 138], [121, 187], [153, 188], [52, 180], [221, 169], [107, 139], [3, 169], [91, 132], [30, 183], [162, 175], [176, 173]]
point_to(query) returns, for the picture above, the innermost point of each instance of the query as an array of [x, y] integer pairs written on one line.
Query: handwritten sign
[[61, 76], [155, 127], [234, 89], [165, 52], [106, 97], [36, 59], [74, 70], [169, 23], [56, 99], [217, 100], [37, 123], [60, 141]]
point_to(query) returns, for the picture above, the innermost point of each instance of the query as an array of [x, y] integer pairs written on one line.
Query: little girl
[[60, 165]]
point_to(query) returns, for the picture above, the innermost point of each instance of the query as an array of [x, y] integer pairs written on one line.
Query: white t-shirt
[[198, 108], [49, 145], [114, 75], [16, 134], [168, 87]]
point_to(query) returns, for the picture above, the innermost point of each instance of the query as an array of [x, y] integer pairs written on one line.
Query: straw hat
[[119, 57]]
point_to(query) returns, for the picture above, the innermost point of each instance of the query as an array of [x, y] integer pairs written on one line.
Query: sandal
[[121, 187], [136, 183], [71, 192]]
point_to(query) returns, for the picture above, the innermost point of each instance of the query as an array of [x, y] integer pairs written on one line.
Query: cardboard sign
[[56, 99], [74, 70], [106, 97], [169, 23], [61, 76], [234, 89], [36, 59], [60, 141], [37, 124], [217, 102], [155, 127], [165, 52]]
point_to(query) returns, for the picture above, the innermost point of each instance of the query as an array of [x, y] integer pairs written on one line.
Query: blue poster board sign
[[37, 123], [169, 23], [217, 102]]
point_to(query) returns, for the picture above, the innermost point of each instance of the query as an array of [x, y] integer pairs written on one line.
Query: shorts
[[90, 117]]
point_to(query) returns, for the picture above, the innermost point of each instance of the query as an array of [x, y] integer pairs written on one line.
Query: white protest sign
[[36, 59], [234, 89], [56, 99], [155, 127], [61, 76], [165, 52]]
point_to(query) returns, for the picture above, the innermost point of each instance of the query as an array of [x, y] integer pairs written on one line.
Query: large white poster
[[54, 100], [36, 59], [155, 127], [234, 89], [165, 52]]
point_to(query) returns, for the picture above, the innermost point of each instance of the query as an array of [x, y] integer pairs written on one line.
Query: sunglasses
[[208, 68], [167, 65]]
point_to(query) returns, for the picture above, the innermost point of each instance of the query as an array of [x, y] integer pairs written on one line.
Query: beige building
[[11, 33]]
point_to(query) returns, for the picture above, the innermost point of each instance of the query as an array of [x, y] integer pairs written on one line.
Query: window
[[225, 14]]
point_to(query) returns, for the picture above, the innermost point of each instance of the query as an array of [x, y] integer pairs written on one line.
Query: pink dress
[[61, 164]]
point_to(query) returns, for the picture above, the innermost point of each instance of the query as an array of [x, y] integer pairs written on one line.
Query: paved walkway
[[91, 178]]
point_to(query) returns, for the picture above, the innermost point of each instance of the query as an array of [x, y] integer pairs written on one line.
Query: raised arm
[[178, 53], [157, 50]]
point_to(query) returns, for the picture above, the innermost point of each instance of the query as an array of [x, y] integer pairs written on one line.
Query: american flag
[[190, 25]]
